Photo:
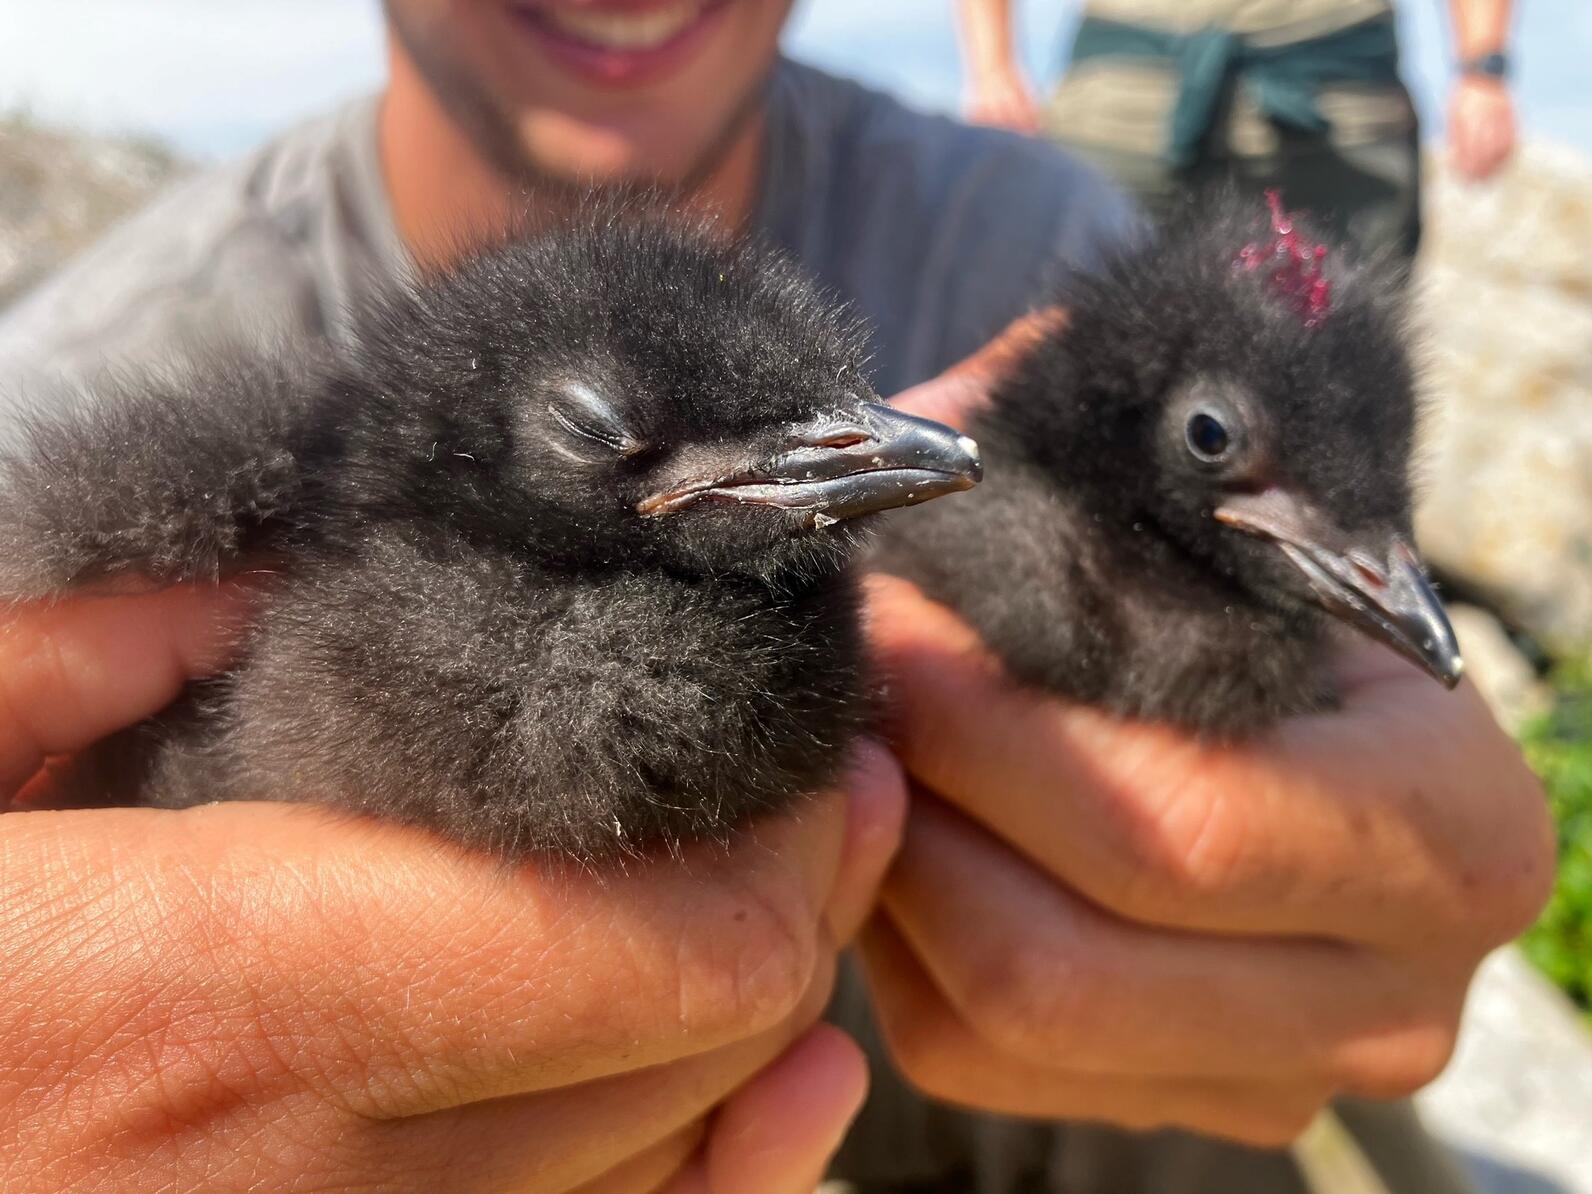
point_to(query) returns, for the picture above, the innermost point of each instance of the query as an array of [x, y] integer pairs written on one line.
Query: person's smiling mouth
[[619, 44]]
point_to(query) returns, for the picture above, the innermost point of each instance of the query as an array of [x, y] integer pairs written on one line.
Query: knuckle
[[754, 973], [202, 1065], [928, 1065], [1400, 1065], [1135, 1118], [1258, 1117], [1274, 1124], [35, 688], [1523, 878], [1189, 851], [927, 1053], [1026, 1000], [1423, 1057], [1504, 871]]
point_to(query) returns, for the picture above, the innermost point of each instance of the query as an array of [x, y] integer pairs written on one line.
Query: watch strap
[[1492, 66]]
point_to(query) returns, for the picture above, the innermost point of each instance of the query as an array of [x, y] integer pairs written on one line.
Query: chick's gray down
[[1191, 477], [555, 558]]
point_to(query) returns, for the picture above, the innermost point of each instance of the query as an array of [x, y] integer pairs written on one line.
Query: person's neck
[[448, 198]]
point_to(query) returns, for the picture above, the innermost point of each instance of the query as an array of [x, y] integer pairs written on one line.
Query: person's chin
[[648, 93], [591, 154]]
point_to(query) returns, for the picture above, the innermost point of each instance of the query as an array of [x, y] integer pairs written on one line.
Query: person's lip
[[619, 44]]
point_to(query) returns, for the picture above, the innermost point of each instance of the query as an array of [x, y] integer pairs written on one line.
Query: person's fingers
[[656, 1170], [1481, 127], [876, 793], [1012, 110], [564, 1138], [391, 971], [1043, 975], [1404, 817], [773, 1135], [955, 395], [1496, 141], [1003, 98], [946, 1060], [75, 670], [1479, 151], [776, 1134]]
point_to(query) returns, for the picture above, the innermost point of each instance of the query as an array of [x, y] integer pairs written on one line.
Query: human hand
[[257, 995], [1481, 126], [1106, 921], [1000, 96], [1099, 920], [955, 395]]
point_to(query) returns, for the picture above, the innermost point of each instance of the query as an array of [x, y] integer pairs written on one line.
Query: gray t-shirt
[[939, 233]]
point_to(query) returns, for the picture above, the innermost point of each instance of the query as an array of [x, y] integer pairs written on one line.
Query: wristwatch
[[1492, 66]]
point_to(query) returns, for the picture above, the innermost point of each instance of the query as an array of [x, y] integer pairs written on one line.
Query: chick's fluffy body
[[1090, 562], [464, 623]]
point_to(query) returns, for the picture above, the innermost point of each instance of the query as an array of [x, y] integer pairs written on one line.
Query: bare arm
[[1480, 26], [998, 92], [1481, 113]]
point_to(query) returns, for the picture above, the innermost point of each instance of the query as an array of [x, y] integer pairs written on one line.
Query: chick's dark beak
[[1379, 589], [841, 466]]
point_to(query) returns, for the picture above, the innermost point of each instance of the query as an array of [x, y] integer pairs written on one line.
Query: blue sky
[[216, 76]]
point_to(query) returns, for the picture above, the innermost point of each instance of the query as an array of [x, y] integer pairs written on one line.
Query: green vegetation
[[1559, 745]]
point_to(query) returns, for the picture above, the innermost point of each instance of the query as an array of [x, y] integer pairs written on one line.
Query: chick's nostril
[[842, 439], [1368, 570], [1370, 575]]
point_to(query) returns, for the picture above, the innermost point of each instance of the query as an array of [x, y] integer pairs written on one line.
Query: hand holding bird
[[1104, 919], [271, 991]]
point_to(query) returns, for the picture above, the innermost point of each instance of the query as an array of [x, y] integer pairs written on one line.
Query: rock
[[1520, 1083], [1506, 679], [1505, 306], [60, 189]]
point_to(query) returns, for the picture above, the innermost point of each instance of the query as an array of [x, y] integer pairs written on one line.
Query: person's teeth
[[614, 30]]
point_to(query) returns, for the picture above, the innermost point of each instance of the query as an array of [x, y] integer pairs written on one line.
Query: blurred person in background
[[1301, 95], [1085, 921]]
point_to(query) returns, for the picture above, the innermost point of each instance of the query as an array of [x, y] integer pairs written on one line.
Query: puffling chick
[[1208, 462], [561, 547]]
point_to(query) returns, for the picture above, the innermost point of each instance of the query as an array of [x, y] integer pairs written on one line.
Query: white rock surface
[[1519, 1089], [1506, 307], [59, 190], [1504, 676]]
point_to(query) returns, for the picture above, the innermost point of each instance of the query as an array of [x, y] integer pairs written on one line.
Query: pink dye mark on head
[[1292, 265]]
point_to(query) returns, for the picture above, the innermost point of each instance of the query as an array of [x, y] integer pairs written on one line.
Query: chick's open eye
[[1208, 437]]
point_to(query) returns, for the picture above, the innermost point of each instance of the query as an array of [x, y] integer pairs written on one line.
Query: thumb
[[777, 1133], [955, 395], [75, 670], [876, 811]]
